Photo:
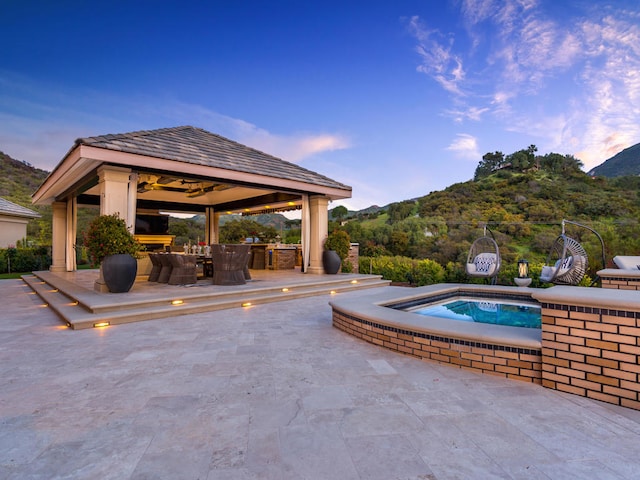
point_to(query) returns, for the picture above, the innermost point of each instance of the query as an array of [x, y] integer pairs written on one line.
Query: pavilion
[[186, 170]]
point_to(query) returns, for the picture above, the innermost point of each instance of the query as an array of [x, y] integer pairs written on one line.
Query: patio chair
[[570, 259], [184, 269], [165, 271], [484, 257], [156, 267], [229, 264]]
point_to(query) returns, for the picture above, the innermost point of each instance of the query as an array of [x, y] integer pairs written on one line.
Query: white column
[[318, 227], [132, 201], [114, 192], [215, 230], [71, 231], [305, 232], [212, 225], [58, 237]]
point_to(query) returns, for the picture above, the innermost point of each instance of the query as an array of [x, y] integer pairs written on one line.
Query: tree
[[339, 213], [490, 163], [400, 210]]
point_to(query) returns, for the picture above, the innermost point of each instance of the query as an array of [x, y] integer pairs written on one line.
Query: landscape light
[[523, 269]]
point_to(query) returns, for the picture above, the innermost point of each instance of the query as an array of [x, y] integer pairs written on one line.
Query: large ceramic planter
[[119, 272], [331, 261]]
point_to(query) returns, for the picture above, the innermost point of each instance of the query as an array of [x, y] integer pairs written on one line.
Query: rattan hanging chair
[[484, 257], [568, 260]]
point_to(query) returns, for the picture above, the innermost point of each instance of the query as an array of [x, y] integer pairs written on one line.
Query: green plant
[[108, 235], [339, 241]]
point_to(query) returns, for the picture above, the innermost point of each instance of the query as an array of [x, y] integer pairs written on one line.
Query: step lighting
[[101, 324], [332, 292], [354, 281], [177, 302], [285, 289], [246, 304]]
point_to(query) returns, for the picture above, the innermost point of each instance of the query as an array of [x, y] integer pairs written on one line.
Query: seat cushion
[[627, 262]]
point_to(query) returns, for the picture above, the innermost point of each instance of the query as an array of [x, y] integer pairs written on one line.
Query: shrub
[[108, 235], [403, 269], [339, 241], [24, 260]]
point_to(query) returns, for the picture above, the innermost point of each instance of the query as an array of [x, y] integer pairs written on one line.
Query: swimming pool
[[483, 310], [387, 319]]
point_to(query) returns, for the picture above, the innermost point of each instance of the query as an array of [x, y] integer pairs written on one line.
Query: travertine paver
[[275, 392]]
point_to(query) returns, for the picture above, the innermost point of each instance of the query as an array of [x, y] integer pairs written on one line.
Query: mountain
[[627, 162], [18, 180]]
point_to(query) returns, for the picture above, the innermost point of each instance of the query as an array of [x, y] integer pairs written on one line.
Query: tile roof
[[10, 208], [197, 146]]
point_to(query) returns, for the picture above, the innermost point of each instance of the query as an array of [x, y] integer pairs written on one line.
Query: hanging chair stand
[[571, 259], [484, 257]]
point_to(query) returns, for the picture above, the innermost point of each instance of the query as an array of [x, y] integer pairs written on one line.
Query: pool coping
[[375, 309]]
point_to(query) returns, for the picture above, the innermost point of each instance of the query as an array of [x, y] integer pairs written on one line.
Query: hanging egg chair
[[567, 261], [484, 257]]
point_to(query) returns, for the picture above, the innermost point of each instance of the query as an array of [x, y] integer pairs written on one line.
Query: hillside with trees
[[522, 198]]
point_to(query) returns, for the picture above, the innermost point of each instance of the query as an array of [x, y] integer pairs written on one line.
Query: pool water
[[486, 311]]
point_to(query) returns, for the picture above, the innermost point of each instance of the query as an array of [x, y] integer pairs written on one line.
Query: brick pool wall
[[621, 283], [592, 352], [511, 362]]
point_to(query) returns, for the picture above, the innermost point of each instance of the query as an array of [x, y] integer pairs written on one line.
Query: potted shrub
[[336, 249], [110, 245]]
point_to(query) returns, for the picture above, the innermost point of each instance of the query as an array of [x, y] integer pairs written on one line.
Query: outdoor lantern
[[523, 269]]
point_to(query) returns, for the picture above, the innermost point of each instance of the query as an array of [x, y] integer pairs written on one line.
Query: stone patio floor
[[275, 392]]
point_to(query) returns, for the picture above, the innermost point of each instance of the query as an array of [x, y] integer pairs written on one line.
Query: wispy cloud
[[465, 146], [438, 61], [593, 57], [40, 129], [467, 113]]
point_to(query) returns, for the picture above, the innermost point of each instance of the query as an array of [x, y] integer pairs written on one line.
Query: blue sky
[[395, 98]]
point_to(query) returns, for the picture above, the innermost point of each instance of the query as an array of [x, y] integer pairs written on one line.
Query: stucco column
[[318, 227], [115, 193], [305, 232], [132, 202], [212, 226], [58, 237], [71, 232]]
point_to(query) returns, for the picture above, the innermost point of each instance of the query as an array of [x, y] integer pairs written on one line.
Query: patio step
[[80, 308]]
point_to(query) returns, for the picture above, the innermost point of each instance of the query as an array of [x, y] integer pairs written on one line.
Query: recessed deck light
[[246, 304], [101, 324], [177, 302], [285, 289]]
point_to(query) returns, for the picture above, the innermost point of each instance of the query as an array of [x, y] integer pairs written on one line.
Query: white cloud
[[438, 61], [465, 146], [294, 147], [469, 113], [39, 128], [592, 56]]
